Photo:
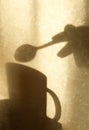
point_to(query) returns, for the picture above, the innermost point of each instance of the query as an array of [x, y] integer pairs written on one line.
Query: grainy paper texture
[[35, 22]]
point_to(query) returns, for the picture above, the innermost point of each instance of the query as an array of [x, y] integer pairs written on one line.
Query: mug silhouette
[[27, 90], [78, 44]]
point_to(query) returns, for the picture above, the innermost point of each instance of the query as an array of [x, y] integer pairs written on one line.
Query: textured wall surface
[[35, 22]]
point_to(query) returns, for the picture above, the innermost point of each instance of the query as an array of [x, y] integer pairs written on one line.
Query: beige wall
[[35, 22]]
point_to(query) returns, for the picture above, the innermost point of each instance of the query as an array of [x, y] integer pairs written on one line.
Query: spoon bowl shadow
[[25, 53]]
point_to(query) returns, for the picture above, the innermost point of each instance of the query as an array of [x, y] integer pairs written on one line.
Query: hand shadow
[[78, 44], [26, 108]]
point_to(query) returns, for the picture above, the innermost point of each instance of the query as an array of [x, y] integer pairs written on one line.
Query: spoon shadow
[[78, 45], [27, 52]]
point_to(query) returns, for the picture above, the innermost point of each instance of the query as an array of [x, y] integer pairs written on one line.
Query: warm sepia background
[[35, 22]]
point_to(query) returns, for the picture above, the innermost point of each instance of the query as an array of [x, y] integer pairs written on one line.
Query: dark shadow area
[[26, 108], [78, 44], [4, 114]]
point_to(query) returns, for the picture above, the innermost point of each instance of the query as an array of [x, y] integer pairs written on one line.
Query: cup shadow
[[26, 108], [4, 114]]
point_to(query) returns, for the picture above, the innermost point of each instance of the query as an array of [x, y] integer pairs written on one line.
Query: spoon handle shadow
[[61, 37]]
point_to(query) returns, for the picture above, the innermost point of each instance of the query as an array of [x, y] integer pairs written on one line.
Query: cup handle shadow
[[57, 105]]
